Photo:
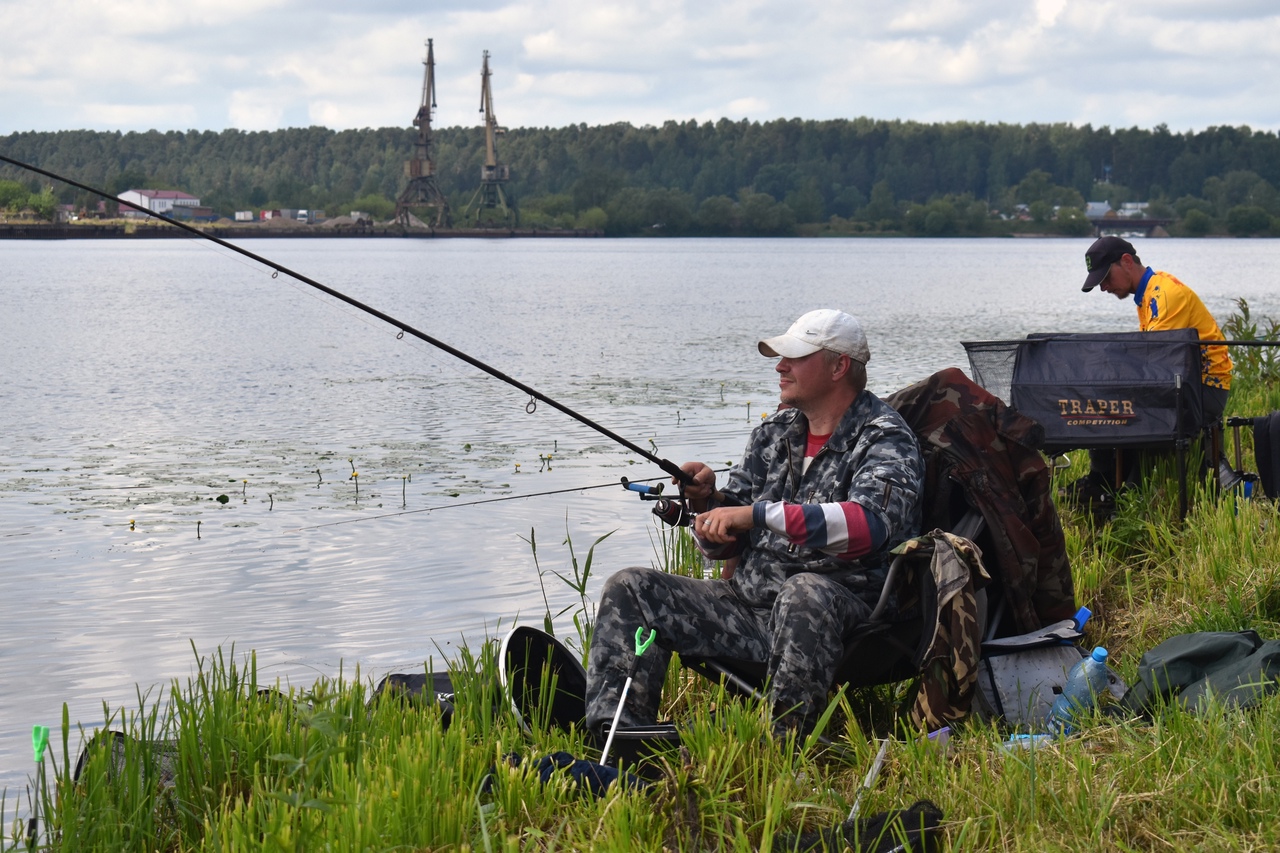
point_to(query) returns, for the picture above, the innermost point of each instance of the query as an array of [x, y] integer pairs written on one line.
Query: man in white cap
[[826, 488]]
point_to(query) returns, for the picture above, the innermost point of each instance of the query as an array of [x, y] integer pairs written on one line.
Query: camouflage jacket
[[872, 458]]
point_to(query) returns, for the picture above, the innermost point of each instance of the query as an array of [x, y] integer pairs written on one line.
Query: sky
[[266, 64]]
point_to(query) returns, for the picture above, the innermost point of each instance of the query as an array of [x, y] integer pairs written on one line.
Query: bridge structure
[[1124, 225]]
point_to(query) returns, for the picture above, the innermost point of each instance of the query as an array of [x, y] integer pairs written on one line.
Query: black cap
[[1104, 252]]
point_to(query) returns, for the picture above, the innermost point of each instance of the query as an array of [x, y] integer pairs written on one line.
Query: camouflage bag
[[952, 638]]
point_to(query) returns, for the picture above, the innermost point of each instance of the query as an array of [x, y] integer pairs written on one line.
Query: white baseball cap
[[825, 328]]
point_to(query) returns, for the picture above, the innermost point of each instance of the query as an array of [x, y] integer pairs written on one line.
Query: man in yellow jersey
[[1163, 303]]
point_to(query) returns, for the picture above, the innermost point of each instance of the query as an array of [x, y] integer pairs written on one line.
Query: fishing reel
[[672, 511]]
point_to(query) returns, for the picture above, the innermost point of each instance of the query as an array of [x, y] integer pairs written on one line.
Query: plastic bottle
[[1085, 682]]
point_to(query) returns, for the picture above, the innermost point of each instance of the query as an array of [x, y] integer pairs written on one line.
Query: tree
[[377, 206], [592, 219], [975, 216], [776, 179], [552, 205], [1187, 203], [881, 207], [13, 195], [1036, 186], [44, 203], [132, 178], [762, 214], [1196, 223], [595, 188], [807, 202], [1240, 188], [941, 220], [938, 218], [1072, 222], [1114, 194], [626, 213], [716, 215], [669, 210], [845, 201], [1247, 220]]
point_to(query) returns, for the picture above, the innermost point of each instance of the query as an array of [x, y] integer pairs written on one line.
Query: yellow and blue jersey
[[1166, 303]]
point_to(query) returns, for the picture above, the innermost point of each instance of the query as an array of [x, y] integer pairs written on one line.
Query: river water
[[141, 381]]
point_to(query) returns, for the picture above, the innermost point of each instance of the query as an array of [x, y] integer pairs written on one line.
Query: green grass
[[269, 775], [327, 769]]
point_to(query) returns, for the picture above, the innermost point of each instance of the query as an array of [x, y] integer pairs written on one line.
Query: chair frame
[[882, 634]]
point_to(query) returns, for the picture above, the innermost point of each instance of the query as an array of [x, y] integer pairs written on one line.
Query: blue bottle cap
[[1099, 654]]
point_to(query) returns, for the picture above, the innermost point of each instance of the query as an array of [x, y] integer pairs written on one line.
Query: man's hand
[[722, 525], [703, 487]]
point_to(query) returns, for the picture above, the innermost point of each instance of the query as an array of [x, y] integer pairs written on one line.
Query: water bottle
[[1085, 682]]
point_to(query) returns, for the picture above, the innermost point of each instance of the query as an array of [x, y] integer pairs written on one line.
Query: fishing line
[[380, 329], [477, 503], [535, 396]]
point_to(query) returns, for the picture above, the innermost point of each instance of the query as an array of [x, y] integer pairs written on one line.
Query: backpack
[[419, 689], [1019, 677], [1188, 670]]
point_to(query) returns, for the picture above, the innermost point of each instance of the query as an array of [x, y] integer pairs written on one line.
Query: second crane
[[493, 175]]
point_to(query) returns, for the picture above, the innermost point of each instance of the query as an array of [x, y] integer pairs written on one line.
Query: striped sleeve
[[842, 529]]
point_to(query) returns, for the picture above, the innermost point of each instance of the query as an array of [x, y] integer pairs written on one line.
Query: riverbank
[[121, 229], [137, 231]]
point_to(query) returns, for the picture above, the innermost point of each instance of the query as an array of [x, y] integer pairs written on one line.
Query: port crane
[[493, 174], [422, 192]]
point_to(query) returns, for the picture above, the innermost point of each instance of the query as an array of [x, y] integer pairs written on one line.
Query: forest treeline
[[726, 177]]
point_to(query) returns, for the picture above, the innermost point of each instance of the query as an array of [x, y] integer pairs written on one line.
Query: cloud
[[746, 106], [134, 64], [138, 115], [256, 109], [584, 84]]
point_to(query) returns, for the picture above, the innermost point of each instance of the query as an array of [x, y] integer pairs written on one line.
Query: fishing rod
[[666, 465]]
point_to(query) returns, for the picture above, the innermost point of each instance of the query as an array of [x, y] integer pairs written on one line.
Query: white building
[[159, 201]]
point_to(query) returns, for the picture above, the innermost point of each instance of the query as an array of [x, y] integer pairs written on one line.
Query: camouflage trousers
[[799, 638]]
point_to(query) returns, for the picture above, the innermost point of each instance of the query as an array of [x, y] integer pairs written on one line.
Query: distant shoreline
[[114, 231], [137, 231]]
